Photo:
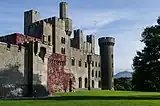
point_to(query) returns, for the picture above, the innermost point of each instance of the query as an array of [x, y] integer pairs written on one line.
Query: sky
[[123, 19]]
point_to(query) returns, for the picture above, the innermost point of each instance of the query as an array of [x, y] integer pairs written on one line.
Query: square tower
[[30, 17]]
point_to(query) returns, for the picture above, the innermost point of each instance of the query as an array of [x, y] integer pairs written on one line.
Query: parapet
[[32, 11], [106, 41], [56, 21]]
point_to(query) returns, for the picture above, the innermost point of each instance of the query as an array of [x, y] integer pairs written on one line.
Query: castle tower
[[63, 14], [30, 17], [107, 68], [78, 39], [91, 39], [63, 6]]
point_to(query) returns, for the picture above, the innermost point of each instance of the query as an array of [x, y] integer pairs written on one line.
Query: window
[[86, 64], [80, 63], [112, 56], [99, 74], [92, 83], [80, 82], [86, 81], [99, 64], [8, 46], [49, 39], [96, 64], [92, 63], [63, 50], [96, 73], [63, 40], [42, 53], [73, 61], [92, 73], [19, 47]]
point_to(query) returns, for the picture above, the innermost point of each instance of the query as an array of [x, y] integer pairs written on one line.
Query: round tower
[[63, 14], [63, 10], [107, 65]]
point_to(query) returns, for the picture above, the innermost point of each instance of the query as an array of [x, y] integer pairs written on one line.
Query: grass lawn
[[92, 98]]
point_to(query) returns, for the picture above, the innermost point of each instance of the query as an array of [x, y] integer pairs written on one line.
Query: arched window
[[73, 61], [19, 47], [80, 63], [92, 63], [92, 83], [80, 82], [96, 73], [96, 64], [86, 81], [42, 53], [99, 74], [49, 39], [86, 64], [92, 73], [63, 50]]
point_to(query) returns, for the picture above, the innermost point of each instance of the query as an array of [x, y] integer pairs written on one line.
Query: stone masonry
[[53, 35]]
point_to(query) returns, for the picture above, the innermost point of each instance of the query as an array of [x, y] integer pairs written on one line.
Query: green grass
[[92, 98]]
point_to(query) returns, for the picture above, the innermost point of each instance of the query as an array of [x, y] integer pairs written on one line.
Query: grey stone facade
[[57, 31]]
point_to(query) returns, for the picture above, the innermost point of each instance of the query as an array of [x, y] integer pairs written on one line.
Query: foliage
[[146, 76], [92, 98], [124, 84]]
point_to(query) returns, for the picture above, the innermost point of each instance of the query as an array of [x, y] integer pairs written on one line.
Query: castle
[[47, 49]]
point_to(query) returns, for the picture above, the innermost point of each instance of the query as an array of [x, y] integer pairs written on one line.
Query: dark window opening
[[80, 82], [86, 64], [96, 64], [92, 63], [112, 55], [35, 47], [86, 81], [73, 61], [99, 74], [96, 73], [63, 40], [99, 64], [63, 50], [49, 39], [92, 73], [42, 53], [8, 46], [80, 63], [19, 47], [92, 83]]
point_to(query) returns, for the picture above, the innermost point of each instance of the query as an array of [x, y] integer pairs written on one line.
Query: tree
[[122, 84], [146, 63]]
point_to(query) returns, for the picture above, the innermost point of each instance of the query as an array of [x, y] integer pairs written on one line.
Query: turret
[[30, 17], [63, 6], [63, 14], [91, 39], [107, 65]]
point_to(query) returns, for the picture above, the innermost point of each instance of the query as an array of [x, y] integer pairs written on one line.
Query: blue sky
[[122, 19]]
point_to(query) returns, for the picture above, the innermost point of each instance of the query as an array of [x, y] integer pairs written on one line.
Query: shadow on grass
[[138, 97]]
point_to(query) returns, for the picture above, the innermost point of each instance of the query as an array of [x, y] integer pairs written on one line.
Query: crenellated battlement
[[106, 41], [11, 47]]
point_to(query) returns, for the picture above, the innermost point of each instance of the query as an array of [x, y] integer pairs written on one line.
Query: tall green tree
[[146, 63]]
